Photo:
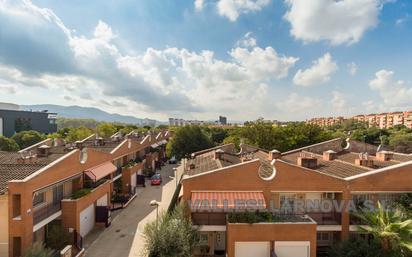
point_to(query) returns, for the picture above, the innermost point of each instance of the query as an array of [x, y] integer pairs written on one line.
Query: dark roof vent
[[309, 162], [329, 155], [274, 154], [43, 151]]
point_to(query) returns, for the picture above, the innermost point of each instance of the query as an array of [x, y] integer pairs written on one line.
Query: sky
[[198, 59]]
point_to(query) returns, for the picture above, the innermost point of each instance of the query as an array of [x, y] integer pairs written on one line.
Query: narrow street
[[123, 238]]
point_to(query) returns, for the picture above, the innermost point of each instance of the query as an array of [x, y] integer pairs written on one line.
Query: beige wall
[[4, 226]]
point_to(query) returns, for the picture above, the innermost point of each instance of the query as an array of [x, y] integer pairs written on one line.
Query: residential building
[[306, 195], [382, 120], [70, 186], [13, 120]]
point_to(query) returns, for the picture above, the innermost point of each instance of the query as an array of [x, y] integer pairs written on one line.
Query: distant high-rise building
[[222, 120]]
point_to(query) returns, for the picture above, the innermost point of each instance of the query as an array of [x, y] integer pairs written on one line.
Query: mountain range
[[80, 112]]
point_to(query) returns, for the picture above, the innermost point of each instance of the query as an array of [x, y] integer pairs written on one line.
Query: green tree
[[391, 228], [171, 236], [80, 133], [401, 142], [106, 130], [216, 135], [8, 144], [27, 138], [57, 237], [38, 250], [354, 247], [187, 140]]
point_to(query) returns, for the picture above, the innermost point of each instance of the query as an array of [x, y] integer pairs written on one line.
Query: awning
[[227, 200], [100, 171]]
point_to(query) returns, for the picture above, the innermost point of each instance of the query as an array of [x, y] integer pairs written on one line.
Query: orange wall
[[71, 208], [270, 232]]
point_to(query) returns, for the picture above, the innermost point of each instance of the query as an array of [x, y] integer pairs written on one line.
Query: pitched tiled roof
[[11, 169]]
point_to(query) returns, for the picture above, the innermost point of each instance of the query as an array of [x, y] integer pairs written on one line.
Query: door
[[252, 249], [292, 249], [133, 182], [87, 220], [220, 241]]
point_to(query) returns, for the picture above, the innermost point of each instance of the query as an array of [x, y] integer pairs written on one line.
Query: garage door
[[292, 249], [252, 249], [87, 220], [133, 181]]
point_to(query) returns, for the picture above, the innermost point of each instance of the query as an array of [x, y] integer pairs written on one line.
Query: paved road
[[123, 237]]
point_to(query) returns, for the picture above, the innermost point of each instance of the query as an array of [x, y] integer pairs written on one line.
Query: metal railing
[[46, 211], [326, 218]]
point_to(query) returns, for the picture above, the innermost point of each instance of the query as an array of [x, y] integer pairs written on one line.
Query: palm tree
[[391, 228]]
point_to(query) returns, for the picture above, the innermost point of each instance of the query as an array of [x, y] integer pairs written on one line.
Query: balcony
[[214, 219], [43, 212], [326, 218]]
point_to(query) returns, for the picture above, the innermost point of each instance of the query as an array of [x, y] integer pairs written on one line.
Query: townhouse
[[220, 184], [70, 186]]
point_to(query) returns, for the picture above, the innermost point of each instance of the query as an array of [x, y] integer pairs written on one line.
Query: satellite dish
[[347, 144]]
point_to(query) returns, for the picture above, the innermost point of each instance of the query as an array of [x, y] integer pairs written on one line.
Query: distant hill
[[87, 113]]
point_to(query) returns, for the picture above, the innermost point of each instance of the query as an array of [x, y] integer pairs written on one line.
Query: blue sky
[[286, 60]]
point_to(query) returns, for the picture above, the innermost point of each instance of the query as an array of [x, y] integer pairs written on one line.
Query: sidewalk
[[119, 240], [167, 194]]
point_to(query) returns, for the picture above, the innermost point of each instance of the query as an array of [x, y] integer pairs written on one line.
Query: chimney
[[364, 160], [192, 166], [274, 154], [219, 154], [43, 151], [384, 156], [307, 162], [329, 155]]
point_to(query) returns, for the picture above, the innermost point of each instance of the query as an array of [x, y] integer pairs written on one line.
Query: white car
[[172, 160]]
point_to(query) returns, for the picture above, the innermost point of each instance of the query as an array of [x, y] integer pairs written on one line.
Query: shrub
[[80, 193], [38, 250]]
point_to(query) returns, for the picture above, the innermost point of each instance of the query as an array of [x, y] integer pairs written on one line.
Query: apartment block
[[221, 186], [381, 120], [70, 186]]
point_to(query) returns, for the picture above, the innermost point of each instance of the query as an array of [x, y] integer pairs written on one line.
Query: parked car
[[173, 160], [156, 179]]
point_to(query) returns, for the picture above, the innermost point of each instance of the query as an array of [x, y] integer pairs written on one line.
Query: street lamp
[[175, 170], [156, 204]]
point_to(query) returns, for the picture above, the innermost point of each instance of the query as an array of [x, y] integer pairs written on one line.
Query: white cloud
[[352, 68], [231, 9], [298, 103], [262, 63], [247, 41], [394, 93], [199, 4], [338, 101], [337, 22], [159, 82], [319, 73]]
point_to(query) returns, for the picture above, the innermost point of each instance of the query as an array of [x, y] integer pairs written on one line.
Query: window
[[328, 196], [204, 239], [38, 198], [287, 202], [57, 194]]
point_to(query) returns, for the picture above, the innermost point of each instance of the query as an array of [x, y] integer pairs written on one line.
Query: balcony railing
[[209, 218], [326, 218], [45, 211]]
